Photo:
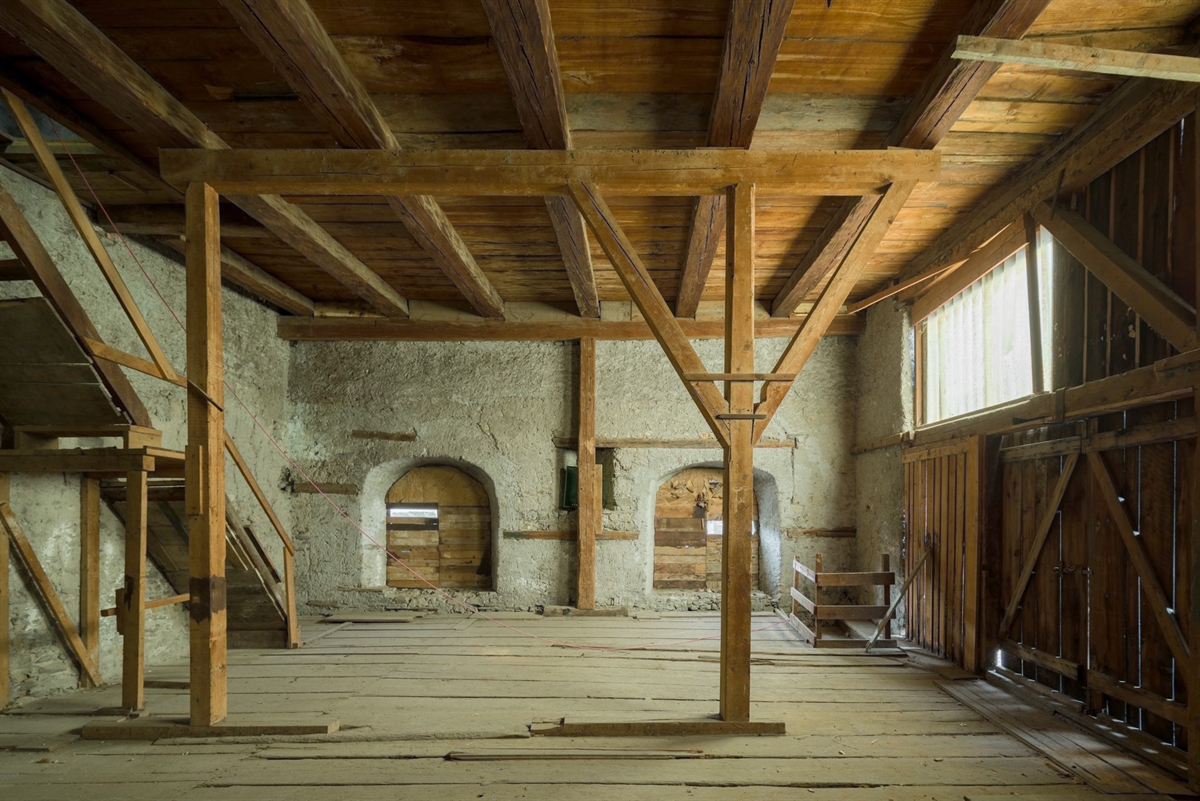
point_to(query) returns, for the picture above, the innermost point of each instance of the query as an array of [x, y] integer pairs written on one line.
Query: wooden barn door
[[942, 508], [440, 524]]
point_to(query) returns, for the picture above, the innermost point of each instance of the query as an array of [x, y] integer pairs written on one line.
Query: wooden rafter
[[1166, 312], [796, 355], [943, 97], [62, 36], [752, 39], [289, 34], [239, 270], [1039, 541], [1138, 111], [524, 37], [1053, 55], [532, 173], [654, 309], [1160, 604]]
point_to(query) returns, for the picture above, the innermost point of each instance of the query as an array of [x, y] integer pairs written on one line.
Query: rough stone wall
[[885, 399], [493, 408], [256, 365]]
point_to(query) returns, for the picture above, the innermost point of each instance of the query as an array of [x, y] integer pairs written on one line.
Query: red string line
[[467, 607]]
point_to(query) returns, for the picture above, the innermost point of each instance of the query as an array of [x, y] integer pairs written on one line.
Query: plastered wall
[[494, 408]]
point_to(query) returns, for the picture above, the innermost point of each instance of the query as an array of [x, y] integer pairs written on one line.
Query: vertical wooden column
[[589, 502], [205, 459], [1192, 670], [972, 554], [1035, 303], [4, 681], [739, 455], [89, 571], [133, 600]]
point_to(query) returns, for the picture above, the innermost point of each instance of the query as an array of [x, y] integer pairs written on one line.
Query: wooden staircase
[[256, 594]]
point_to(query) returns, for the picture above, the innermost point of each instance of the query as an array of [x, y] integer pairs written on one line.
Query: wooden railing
[[832, 614]]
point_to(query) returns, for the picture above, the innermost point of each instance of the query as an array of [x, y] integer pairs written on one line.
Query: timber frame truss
[[736, 419]]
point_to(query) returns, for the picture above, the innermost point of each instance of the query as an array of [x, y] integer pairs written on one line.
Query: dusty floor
[[440, 708]]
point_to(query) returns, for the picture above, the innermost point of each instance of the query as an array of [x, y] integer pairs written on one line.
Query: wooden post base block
[[571, 727], [161, 728]]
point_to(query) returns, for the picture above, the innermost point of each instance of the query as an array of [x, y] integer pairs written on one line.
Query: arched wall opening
[[385, 485], [439, 523], [687, 506]]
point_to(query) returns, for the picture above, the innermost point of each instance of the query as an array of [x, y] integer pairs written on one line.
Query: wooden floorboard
[[443, 706]]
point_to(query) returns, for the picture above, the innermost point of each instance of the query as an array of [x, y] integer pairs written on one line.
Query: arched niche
[[439, 522], [688, 531]]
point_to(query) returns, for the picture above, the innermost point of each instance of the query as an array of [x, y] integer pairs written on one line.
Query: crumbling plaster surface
[[884, 408], [493, 408], [256, 364]]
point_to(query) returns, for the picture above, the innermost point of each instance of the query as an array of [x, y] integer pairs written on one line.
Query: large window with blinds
[[975, 351]]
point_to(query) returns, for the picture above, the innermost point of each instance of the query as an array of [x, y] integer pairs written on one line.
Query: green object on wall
[[570, 488]]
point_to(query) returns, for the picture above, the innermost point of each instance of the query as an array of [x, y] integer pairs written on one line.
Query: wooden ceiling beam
[[524, 37], [75, 47], [1052, 55], [238, 270], [289, 34], [943, 97], [1133, 115], [752, 39], [484, 173]]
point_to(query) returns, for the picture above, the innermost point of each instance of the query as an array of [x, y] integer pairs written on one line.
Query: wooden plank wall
[[687, 558], [941, 507], [1085, 625]]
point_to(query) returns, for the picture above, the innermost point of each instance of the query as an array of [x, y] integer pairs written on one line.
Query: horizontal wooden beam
[[705, 171], [603, 443], [1124, 391], [380, 329], [1052, 55]]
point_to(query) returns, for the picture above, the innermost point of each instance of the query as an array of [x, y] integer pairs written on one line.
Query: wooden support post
[[205, 469], [5, 691], [589, 505], [1192, 669], [1035, 304], [133, 611], [973, 542], [289, 587], [89, 570], [885, 565], [739, 455]]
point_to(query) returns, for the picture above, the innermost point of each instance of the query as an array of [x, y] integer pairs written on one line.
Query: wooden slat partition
[[943, 504]]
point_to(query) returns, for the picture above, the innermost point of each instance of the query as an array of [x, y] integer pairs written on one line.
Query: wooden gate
[[943, 506]]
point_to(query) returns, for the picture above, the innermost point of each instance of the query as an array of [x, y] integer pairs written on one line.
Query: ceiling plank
[[484, 173], [1138, 111], [524, 37], [752, 39], [1052, 55], [289, 34], [84, 55], [943, 97]]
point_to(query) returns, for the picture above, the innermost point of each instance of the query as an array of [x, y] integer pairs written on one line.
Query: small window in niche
[[409, 511]]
